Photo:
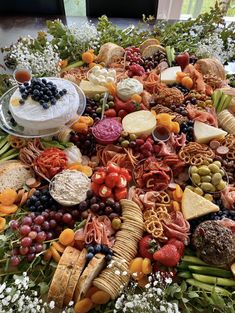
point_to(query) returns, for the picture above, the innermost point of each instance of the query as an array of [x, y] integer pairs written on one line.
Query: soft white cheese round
[[31, 114], [128, 87]]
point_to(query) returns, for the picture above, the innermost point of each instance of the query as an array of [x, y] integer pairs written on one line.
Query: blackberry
[[41, 200]]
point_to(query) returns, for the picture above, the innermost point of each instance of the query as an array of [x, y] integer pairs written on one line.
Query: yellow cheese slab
[[204, 133], [90, 89], [139, 122], [194, 206]]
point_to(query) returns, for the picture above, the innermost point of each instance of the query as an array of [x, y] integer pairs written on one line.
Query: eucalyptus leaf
[[43, 288]]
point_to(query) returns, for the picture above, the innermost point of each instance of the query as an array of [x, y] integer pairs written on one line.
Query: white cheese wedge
[[204, 133], [90, 89], [194, 206], [140, 122], [168, 76]]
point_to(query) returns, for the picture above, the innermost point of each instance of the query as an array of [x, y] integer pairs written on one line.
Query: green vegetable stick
[[185, 274], [210, 271], [193, 260], [5, 148], [12, 156], [214, 280], [208, 287]]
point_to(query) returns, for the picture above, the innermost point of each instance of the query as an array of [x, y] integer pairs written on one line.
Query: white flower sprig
[[17, 296]]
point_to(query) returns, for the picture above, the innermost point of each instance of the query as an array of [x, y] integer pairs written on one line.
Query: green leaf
[[193, 294], [183, 286], [43, 288]]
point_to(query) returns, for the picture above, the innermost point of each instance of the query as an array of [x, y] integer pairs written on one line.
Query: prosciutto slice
[[228, 197], [178, 228], [227, 222]]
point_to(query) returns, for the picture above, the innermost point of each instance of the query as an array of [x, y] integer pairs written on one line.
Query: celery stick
[[210, 271], [8, 153], [12, 156], [208, 287], [5, 148], [214, 280], [3, 142]]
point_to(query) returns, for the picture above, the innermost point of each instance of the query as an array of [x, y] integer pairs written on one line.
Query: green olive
[[207, 187], [208, 102], [221, 185], [193, 169], [210, 160], [203, 170], [101, 100], [111, 104], [106, 106], [222, 172], [190, 187], [196, 179], [198, 191], [206, 179], [218, 163], [98, 110], [124, 134], [110, 98], [125, 143], [209, 197], [206, 162], [216, 178], [121, 139], [132, 136], [97, 97], [214, 168]]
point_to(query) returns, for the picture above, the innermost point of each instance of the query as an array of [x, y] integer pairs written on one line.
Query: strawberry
[[147, 247], [179, 245], [168, 255]]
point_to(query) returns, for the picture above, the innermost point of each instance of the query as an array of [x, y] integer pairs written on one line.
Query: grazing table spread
[[117, 170]]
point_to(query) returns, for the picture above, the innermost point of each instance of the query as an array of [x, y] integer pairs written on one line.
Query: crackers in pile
[[116, 275]]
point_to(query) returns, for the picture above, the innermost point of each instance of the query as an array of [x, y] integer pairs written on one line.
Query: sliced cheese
[[140, 122], [194, 206], [169, 75], [204, 133], [90, 89]]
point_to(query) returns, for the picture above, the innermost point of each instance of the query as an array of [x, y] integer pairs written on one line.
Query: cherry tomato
[[111, 180], [122, 113], [113, 168], [105, 191], [110, 113], [95, 187], [124, 172], [120, 193], [122, 182], [98, 177]]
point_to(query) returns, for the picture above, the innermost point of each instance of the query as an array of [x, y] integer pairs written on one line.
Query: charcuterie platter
[[117, 180]]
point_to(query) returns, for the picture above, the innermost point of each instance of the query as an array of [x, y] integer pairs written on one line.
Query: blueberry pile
[[110, 208], [187, 128], [179, 109], [42, 91], [93, 249], [183, 89], [41, 200]]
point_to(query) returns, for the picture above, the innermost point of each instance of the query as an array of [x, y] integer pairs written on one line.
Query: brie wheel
[[31, 114]]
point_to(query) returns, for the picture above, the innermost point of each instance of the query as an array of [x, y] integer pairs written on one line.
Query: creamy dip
[[128, 87]]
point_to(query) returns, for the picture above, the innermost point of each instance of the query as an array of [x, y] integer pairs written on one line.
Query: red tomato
[[124, 172], [110, 113], [98, 177], [111, 180], [120, 193], [119, 104], [105, 191], [122, 113], [122, 182], [95, 187], [113, 168]]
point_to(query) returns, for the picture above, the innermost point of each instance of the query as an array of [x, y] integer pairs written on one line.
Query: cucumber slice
[[172, 54], [169, 55], [226, 102], [208, 287], [221, 102], [193, 260], [217, 94], [214, 280], [185, 274], [210, 271]]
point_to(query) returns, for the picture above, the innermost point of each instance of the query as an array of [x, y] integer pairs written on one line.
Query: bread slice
[[148, 42], [13, 174], [93, 269], [110, 52], [150, 50], [75, 275], [62, 275]]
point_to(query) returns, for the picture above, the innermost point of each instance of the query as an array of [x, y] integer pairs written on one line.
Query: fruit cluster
[[111, 182], [85, 142], [153, 61], [42, 91], [93, 249], [34, 229], [98, 206], [133, 55], [183, 89], [91, 108], [127, 140], [199, 99], [187, 128], [135, 70], [41, 200], [144, 146]]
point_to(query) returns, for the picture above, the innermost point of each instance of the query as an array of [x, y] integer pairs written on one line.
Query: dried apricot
[[80, 127], [83, 306], [91, 291], [146, 266], [2, 223], [135, 268], [180, 76], [137, 98], [87, 120], [8, 196], [177, 193], [8, 209], [58, 246], [111, 88], [47, 255], [187, 82], [176, 205], [87, 170], [75, 166], [66, 237], [100, 297], [88, 57], [55, 254]]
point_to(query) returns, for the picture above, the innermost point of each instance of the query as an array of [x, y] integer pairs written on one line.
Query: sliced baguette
[[150, 50], [62, 275], [75, 275], [92, 270], [149, 42]]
